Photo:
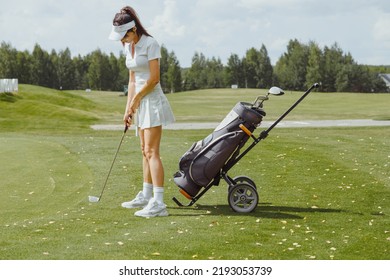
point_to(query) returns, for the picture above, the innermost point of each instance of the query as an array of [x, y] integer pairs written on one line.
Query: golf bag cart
[[209, 160]]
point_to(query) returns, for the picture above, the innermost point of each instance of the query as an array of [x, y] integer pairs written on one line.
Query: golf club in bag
[[97, 198], [210, 159]]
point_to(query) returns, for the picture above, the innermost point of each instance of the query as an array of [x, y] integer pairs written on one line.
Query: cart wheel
[[243, 198], [244, 179]]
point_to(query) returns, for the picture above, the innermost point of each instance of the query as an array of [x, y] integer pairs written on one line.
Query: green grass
[[213, 105], [38, 109], [324, 193]]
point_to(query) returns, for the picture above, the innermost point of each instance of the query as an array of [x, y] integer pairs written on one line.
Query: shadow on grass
[[9, 97], [263, 210]]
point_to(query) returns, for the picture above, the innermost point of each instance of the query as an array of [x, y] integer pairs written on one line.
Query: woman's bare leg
[[153, 170]]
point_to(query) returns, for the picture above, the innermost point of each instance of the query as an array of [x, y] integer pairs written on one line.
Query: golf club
[[97, 198]]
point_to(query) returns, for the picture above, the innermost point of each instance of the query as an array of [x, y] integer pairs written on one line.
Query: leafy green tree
[[333, 60], [300, 66], [164, 66], [354, 78], [100, 76], [314, 65], [170, 71], [116, 82], [81, 72], [195, 77], [123, 75], [42, 68], [174, 79], [64, 69], [234, 71], [251, 65], [281, 71], [265, 71], [298, 58], [291, 67], [23, 60], [8, 61], [214, 73]]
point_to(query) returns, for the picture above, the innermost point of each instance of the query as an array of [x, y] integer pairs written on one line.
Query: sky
[[215, 28]]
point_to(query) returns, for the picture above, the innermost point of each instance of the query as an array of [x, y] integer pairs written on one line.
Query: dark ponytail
[[127, 14]]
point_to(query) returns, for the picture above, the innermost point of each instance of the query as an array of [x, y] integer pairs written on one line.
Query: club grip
[[126, 125]]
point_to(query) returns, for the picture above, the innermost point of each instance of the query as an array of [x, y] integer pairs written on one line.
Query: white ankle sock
[[147, 190], [158, 194]]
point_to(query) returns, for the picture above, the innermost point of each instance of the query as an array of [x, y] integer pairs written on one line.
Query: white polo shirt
[[154, 108]]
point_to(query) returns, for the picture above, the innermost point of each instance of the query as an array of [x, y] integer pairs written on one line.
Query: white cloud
[[214, 27], [258, 5], [381, 30], [167, 23]]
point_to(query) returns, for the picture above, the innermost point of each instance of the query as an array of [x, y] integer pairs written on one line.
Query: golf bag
[[201, 165], [209, 160]]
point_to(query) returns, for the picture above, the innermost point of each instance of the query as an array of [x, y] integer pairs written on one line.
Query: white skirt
[[154, 109]]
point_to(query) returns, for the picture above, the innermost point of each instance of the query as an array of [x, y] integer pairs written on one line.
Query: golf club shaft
[[316, 85], [113, 161]]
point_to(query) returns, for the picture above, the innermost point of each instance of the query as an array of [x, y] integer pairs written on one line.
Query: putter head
[[93, 198]]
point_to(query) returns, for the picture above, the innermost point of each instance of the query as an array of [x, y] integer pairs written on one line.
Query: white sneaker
[[138, 202], [153, 209]]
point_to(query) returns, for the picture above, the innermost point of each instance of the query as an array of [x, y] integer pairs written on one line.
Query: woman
[[146, 106]]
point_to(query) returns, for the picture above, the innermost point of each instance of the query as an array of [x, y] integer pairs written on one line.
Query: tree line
[[299, 67]]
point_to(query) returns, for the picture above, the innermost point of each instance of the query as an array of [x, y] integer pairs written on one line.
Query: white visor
[[118, 32]]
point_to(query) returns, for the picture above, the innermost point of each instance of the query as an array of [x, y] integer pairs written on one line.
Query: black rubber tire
[[243, 198]]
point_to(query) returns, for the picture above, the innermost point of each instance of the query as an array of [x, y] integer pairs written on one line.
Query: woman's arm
[[127, 118]]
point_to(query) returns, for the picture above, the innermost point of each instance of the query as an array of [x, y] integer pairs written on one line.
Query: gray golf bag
[[209, 160], [202, 163]]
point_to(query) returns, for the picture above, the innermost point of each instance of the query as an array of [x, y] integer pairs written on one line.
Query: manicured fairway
[[324, 193]]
